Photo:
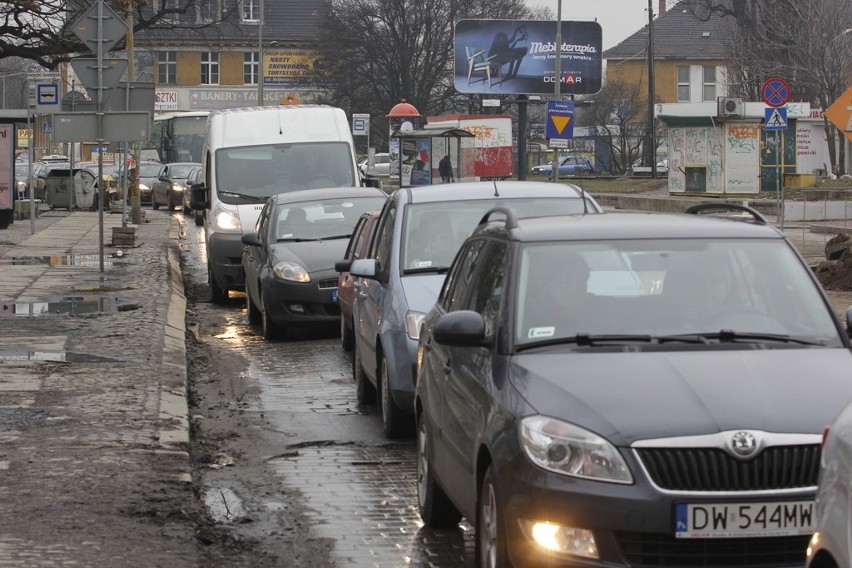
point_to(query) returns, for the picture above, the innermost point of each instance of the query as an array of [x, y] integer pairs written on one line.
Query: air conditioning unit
[[730, 106]]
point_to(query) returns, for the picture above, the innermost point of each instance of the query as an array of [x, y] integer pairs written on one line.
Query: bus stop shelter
[[421, 150]]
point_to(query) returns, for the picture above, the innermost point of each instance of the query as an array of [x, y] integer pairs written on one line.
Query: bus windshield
[[253, 173]]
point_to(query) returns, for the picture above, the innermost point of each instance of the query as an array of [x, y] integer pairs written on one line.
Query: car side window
[[487, 285], [357, 239], [262, 221], [383, 242], [458, 281]]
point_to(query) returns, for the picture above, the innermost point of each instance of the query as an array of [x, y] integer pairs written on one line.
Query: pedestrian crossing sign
[[776, 118]]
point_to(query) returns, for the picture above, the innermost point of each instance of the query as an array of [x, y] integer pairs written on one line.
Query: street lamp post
[[260, 54], [557, 88]]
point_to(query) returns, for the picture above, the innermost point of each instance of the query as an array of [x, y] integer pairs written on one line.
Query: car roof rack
[[756, 217], [511, 220]]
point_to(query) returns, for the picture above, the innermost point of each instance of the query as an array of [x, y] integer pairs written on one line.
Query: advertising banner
[[519, 57], [286, 66]]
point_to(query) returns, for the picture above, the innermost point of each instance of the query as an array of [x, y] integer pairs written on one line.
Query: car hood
[[314, 256], [633, 396], [421, 290]]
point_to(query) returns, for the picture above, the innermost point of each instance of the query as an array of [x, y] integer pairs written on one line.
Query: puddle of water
[[30, 355], [91, 260], [223, 505], [71, 305]]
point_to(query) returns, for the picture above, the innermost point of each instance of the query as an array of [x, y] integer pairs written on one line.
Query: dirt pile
[[835, 272]]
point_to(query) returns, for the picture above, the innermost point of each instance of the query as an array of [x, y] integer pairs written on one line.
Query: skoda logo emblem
[[744, 443]]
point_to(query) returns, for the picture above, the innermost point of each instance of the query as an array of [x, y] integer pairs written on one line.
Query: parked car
[[195, 177], [289, 258], [830, 545], [381, 165], [171, 185], [415, 240], [112, 184], [149, 173], [568, 166], [346, 284], [618, 389]]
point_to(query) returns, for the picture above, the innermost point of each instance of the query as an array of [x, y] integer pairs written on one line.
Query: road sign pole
[[30, 182], [557, 89]]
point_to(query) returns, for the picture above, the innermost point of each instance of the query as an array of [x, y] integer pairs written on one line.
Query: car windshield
[[254, 173], [180, 170], [687, 288], [317, 220], [434, 232]]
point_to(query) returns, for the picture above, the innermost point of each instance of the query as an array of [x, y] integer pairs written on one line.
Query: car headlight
[[567, 449], [412, 323], [178, 187], [226, 220], [291, 271], [143, 187]]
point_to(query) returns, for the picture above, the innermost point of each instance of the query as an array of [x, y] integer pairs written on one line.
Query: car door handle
[[447, 368]]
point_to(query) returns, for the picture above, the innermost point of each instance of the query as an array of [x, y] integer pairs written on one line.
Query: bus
[[179, 136]]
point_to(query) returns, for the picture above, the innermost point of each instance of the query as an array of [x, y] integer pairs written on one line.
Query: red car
[[357, 248]]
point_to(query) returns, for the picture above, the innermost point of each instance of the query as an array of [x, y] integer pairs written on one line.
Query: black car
[[628, 390], [171, 185], [289, 258], [194, 177]]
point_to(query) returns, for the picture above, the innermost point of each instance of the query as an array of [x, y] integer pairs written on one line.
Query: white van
[[253, 153]]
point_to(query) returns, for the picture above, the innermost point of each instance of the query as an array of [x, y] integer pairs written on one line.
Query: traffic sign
[[560, 119], [840, 113], [776, 92], [113, 27], [86, 69], [47, 98], [360, 124], [775, 118]]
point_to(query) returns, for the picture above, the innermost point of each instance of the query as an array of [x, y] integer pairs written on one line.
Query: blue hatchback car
[[414, 242]]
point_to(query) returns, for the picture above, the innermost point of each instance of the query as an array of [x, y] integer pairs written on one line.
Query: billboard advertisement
[[519, 57]]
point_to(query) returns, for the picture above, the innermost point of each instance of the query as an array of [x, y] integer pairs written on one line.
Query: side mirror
[[342, 265], [251, 239], [365, 268], [198, 199], [463, 328]]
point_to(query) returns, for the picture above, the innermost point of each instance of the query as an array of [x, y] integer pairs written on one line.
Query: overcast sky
[[618, 18]]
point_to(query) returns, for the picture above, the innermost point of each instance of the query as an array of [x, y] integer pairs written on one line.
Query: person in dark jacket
[[445, 169]]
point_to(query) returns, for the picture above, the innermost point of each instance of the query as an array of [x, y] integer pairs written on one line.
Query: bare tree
[[383, 51], [41, 30], [619, 114], [807, 43]]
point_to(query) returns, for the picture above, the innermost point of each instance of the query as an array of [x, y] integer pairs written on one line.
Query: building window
[[709, 87], [683, 83], [250, 74], [210, 68], [251, 10], [167, 67], [208, 11]]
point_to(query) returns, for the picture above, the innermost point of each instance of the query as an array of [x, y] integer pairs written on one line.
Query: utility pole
[[557, 81], [135, 198], [651, 153]]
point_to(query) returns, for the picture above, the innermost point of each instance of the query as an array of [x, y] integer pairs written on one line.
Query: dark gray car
[[628, 390]]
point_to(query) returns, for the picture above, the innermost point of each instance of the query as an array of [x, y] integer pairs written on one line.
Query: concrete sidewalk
[[94, 434]]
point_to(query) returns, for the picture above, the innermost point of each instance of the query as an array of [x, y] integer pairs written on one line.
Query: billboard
[[519, 57]]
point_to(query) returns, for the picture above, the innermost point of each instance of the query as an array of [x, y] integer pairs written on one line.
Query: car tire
[[269, 329], [436, 509], [365, 392], [154, 204], [252, 312], [347, 338], [490, 538], [218, 295], [199, 218], [395, 422]]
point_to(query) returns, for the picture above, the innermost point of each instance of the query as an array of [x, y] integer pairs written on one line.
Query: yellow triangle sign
[[560, 122], [290, 99]]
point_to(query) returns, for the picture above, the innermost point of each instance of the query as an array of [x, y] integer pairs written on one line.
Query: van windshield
[[250, 174]]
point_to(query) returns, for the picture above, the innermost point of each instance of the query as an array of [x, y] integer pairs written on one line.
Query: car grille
[[710, 469], [327, 283], [643, 549]]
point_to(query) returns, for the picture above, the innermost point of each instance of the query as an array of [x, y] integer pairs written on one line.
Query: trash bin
[[69, 188]]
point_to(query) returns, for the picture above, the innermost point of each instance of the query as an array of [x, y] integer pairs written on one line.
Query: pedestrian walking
[[445, 169]]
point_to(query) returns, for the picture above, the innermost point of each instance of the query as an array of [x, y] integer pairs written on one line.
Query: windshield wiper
[[731, 336], [294, 240], [332, 237], [427, 270], [241, 195]]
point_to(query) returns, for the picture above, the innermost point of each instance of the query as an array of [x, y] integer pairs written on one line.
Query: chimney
[[662, 8]]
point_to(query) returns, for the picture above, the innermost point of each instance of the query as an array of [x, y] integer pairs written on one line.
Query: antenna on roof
[[496, 193], [583, 196]]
